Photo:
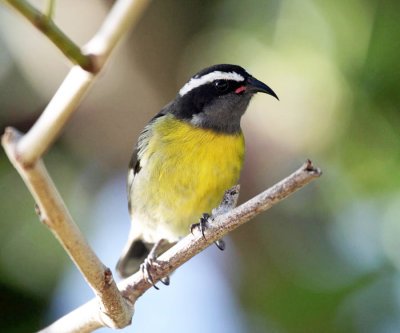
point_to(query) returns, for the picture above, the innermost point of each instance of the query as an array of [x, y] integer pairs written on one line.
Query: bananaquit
[[187, 156]]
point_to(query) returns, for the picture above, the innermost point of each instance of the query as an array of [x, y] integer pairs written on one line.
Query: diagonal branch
[[229, 219], [115, 310], [122, 16], [25, 153], [45, 24]]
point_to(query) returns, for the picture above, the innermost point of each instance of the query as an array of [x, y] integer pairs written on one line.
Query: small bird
[[187, 156]]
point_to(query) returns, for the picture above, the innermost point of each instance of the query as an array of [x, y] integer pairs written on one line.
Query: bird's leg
[[202, 225], [149, 262]]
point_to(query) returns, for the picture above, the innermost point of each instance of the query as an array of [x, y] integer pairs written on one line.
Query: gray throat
[[223, 115]]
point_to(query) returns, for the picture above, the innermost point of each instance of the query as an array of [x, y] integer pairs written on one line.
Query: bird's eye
[[221, 85]]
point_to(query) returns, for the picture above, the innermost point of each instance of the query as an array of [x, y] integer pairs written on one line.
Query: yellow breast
[[185, 171]]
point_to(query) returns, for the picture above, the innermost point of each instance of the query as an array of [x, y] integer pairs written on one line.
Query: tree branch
[[115, 311], [54, 117], [50, 9], [45, 24], [25, 152], [34, 144], [226, 220]]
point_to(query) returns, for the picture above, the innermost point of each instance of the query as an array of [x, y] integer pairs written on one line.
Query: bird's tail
[[133, 255]]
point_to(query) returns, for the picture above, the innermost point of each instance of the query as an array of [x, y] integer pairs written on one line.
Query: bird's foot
[[150, 262], [202, 225], [145, 268]]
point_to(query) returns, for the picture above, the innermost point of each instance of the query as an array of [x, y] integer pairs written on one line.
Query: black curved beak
[[254, 86]]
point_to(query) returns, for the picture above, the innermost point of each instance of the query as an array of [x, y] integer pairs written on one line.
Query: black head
[[217, 97]]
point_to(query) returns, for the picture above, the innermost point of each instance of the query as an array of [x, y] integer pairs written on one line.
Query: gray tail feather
[[130, 261]]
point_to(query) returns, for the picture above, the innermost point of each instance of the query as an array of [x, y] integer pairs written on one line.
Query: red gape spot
[[240, 89]]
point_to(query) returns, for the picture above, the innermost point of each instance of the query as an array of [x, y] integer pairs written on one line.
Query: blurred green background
[[326, 259]]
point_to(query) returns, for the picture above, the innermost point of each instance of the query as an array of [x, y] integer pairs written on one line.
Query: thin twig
[[54, 117], [45, 24], [134, 286], [50, 9], [71, 92], [122, 16]]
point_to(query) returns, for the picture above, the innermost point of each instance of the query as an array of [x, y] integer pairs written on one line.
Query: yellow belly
[[185, 172]]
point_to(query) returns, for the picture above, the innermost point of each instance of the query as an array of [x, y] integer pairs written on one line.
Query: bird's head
[[217, 97]]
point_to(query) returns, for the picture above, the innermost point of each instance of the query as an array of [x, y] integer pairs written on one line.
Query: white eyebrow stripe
[[210, 77]]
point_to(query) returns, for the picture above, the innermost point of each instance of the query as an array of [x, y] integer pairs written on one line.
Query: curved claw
[[165, 280], [145, 269], [149, 262], [202, 225], [193, 226], [220, 244]]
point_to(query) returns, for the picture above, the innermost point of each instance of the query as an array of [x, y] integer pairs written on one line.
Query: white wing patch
[[143, 143], [131, 176], [210, 77]]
